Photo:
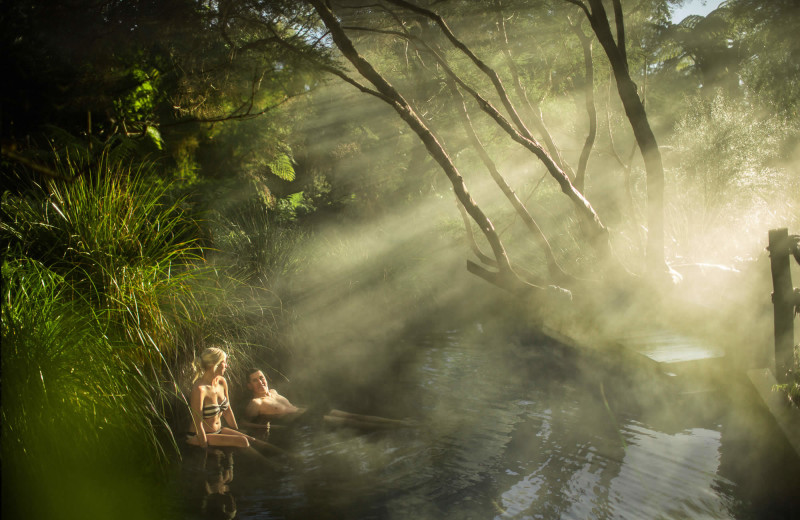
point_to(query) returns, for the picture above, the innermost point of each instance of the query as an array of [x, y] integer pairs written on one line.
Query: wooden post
[[782, 301]]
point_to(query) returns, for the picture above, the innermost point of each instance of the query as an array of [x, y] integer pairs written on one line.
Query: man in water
[[267, 404], [267, 401]]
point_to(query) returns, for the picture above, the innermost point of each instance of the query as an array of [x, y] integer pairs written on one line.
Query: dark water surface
[[525, 431]]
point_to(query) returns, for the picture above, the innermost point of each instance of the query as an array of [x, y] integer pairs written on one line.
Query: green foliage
[[723, 145], [54, 347], [138, 102], [744, 46], [729, 175], [792, 387], [281, 166], [259, 251], [159, 80], [155, 137], [104, 297], [117, 261], [288, 209], [705, 47], [75, 402], [116, 237], [770, 51]]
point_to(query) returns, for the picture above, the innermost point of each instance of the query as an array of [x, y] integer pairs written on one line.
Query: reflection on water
[[526, 432], [207, 480]]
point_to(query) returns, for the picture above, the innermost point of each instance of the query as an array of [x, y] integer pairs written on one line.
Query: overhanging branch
[[412, 119], [6, 151]]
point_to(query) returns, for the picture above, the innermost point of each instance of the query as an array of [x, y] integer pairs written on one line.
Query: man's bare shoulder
[[252, 406]]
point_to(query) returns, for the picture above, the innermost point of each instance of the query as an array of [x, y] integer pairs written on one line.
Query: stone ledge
[[786, 415]]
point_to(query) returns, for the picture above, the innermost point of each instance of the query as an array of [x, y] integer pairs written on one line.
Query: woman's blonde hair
[[209, 359]]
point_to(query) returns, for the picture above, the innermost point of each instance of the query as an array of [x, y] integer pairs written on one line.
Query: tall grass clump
[[117, 238], [78, 420], [108, 292], [100, 279], [259, 251], [256, 255]]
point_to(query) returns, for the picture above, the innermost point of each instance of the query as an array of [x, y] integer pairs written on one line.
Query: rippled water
[[510, 431]]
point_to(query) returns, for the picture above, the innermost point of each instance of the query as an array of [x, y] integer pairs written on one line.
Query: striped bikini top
[[212, 410]]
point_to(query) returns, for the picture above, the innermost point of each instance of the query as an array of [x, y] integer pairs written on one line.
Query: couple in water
[[210, 403]]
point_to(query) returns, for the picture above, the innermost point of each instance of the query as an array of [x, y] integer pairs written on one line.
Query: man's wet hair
[[250, 372]]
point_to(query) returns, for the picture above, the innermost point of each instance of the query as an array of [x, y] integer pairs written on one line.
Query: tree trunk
[[506, 277], [591, 110], [634, 109], [553, 267]]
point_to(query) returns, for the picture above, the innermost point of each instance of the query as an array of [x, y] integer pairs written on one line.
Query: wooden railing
[[785, 298]]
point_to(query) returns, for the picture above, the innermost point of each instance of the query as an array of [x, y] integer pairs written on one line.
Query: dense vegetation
[[175, 174]]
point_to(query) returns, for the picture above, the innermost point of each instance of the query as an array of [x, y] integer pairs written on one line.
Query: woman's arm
[[197, 414], [228, 414], [255, 426]]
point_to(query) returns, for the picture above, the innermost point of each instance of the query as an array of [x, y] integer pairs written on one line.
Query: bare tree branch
[[552, 264], [598, 231], [591, 110], [589, 218], [582, 6], [336, 72], [7, 151], [473, 244], [534, 113], [409, 115], [514, 285], [231, 117], [482, 66]]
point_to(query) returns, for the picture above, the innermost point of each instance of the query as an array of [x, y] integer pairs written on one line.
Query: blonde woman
[[210, 404]]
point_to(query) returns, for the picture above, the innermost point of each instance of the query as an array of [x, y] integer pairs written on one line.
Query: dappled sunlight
[[533, 233]]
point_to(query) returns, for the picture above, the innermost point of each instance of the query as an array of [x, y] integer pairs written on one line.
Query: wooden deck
[[670, 350], [690, 365], [695, 367]]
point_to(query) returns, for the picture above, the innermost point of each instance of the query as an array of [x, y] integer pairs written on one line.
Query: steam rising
[[368, 283], [371, 284]]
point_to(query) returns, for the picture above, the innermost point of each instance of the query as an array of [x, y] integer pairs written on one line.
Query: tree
[[447, 57], [746, 47], [634, 109], [163, 79]]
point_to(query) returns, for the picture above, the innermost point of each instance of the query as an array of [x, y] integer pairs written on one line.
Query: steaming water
[[512, 431]]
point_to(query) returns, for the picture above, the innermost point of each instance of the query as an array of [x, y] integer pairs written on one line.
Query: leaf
[[282, 167], [155, 136], [295, 199]]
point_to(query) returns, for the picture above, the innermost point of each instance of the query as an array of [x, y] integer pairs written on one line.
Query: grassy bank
[[109, 288]]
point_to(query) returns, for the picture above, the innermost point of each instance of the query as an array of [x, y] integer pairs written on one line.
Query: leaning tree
[[497, 89]]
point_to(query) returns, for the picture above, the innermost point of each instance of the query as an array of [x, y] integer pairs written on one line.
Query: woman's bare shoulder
[[199, 390]]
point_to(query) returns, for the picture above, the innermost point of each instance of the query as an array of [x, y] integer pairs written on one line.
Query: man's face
[[257, 382]]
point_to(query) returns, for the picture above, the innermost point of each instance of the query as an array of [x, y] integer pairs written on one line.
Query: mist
[[369, 279], [379, 282], [567, 334]]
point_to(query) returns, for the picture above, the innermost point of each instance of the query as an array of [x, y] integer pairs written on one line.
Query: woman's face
[[223, 365]]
